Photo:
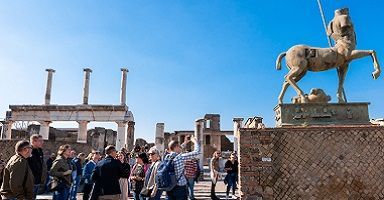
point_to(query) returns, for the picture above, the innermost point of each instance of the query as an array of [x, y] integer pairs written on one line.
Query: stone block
[[321, 114]]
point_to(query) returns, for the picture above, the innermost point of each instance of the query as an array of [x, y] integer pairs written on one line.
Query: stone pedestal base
[[321, 114]]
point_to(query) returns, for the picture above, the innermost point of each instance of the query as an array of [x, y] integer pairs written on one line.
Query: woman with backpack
[[150, 191], [138, 176]]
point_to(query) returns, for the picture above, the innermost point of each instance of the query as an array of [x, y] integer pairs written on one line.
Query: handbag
[[145, 192], [56, 184]]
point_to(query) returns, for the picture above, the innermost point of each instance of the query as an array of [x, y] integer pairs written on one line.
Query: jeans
[[231, 178], [178, 193], [137, 196], [46, 188], [74, 186], [213, 192], [35, 190], [191, 186], [87, 191], [157, 196], [61, 194]]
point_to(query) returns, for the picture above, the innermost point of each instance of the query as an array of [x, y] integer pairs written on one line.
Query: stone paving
[[202, 191]]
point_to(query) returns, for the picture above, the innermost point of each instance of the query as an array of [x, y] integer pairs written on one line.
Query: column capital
[[121, 123], [45, 122], [238, 119], [87, 70], [50, 70], [200, 120], [82, 122], [124, 69]]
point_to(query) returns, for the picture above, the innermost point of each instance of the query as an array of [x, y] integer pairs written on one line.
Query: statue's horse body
[[302, 58]]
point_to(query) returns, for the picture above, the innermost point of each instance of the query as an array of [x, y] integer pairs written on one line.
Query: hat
[[153, 150]]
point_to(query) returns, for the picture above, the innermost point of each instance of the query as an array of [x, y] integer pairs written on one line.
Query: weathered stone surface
[[321, 113], [317, 162], [316, 95], [107, 113]]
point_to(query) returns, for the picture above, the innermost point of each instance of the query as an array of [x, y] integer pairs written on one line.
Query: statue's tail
[[278, 60]]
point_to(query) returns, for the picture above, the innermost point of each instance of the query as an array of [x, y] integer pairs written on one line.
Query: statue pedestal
[[321, 114]]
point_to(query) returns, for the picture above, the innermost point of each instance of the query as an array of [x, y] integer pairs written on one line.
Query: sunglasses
[[152, 154]]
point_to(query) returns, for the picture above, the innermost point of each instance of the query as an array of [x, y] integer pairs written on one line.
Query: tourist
[[88, 158], [106, 176], [61, 173], [18, 180], [150, 191], [138, 175], [48, 164], [231, 166], [87, 172], [135, 151], [36, 161], [78, 162], [215, 168], [124, 179], [180, 192], [191, 172], [147, 163]]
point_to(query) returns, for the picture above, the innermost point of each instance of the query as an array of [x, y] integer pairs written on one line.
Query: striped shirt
[[190, 168]]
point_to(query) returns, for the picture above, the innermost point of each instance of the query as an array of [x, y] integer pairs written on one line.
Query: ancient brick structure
[[314, 162], [213, 137]]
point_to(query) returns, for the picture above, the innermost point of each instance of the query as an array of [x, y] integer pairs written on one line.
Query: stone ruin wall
[[97, 139], [325, 162], [7, 148]]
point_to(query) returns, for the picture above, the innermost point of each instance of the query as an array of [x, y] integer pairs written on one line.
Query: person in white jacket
[[215, 176], [150, 191]]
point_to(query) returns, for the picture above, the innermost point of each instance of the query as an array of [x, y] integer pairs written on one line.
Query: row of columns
[[87, 78], [124, 133]]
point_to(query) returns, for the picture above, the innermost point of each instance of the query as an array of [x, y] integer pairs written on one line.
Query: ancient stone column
[[129, 140], [159, 138], [7, 130], [237, 124], [87, 74], [199, 131], [121, 135], [44, 129], [82, 133], [123, 92], [49, 86]]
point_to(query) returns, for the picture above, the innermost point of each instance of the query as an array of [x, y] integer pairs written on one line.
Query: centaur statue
[[300, 58]]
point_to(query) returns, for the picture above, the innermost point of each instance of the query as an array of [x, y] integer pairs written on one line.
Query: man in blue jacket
[[106, 176]]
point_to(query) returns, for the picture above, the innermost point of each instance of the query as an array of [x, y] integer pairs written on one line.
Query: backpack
[[165, 177]]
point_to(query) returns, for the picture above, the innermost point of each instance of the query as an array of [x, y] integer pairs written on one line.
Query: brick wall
[[325, 162]]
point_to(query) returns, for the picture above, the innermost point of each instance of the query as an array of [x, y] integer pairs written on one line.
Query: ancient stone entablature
[[82, 113]]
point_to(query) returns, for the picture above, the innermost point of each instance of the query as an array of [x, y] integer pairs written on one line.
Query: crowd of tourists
[[143, 173]]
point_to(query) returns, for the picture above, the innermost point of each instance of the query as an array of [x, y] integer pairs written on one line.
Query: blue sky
[[186, 58]]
